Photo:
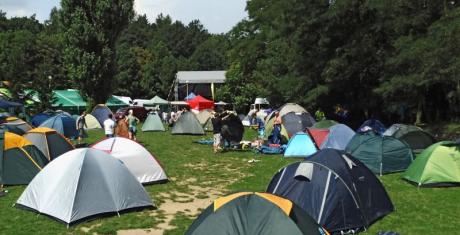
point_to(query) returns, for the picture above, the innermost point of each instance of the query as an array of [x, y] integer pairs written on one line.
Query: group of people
[[125, 126]]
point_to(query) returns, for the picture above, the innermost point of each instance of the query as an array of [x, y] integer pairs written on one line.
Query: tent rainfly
[[153, 123]]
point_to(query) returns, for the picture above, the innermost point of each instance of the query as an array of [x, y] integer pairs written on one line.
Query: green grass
[[418, 211]]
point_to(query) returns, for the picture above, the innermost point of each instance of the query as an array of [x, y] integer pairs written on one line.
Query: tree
[[91, 29]]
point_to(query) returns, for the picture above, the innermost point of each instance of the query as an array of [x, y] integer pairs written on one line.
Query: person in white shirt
[[109, 125]]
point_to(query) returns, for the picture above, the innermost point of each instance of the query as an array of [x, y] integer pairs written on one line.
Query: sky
[[217, 16]]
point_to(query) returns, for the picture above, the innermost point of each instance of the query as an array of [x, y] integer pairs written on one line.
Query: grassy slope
[[418, 211]]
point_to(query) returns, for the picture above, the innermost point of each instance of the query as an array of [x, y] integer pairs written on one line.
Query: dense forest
[[393, 59]]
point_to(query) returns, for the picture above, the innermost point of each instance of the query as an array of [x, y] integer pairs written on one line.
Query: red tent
[[319, 135], [200, 103]]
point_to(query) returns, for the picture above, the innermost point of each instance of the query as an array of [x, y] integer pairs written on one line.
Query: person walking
[[216, 129], [132, 124], [109, 126], [81, 125]]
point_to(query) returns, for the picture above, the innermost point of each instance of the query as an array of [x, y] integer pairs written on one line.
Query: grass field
[[199, 175]]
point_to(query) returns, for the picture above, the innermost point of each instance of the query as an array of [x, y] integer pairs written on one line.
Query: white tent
[[135, 157], [82, 183]]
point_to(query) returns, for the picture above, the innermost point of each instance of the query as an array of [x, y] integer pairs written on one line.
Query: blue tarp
[[190, 96], [339, 137], [300, 145]]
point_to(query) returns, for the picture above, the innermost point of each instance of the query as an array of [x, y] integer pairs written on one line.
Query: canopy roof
[[184, 77], [200, 103], [156, 101], [68, 98]]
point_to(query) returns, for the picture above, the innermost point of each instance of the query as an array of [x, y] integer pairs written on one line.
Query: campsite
[[230, 117]]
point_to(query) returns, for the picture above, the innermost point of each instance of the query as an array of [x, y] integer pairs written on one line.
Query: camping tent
[[20, 160], [337, 190], [16, 123], [62, 123], [381, 154], [318, 135], [92, 122], [83, 183], [415, 137], [324, 124], [136, 158], [187, 124], [153, 123], [300, 145], [247, 213], [51, 143], [294, 119], [200, 103], [372, 124], [101, 113], [203, 116], [339, 137], [40, 118], [438, 165]]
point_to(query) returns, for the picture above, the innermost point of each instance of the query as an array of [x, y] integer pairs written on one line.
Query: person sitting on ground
[[216, 129], [81, 125], [109, 126], [132, 123]]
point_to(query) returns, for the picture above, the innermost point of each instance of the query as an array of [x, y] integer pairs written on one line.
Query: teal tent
[[153, 123], [381, 154], [300, 145]]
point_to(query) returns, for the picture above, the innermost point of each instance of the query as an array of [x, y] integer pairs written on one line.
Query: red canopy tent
[[200, 103]]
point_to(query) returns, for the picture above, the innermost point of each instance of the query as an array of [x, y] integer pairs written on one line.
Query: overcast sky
[[218, 16]]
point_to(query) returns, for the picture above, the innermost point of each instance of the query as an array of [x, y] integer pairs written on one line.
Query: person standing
[[122, 129], [132, 124], [109, 125], [277, 128], [216, 129], [81, 125], [260, 126]]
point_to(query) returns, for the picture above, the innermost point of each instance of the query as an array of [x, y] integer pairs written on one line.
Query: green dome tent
[[187, 124], [254, 213], [438, 165], [324, 124], [153, 123], [381, 154], [415, 137]]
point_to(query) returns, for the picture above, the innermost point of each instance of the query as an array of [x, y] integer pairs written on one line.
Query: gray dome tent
[[83, 183], [153, 123], [414, 136], [187, 124]]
